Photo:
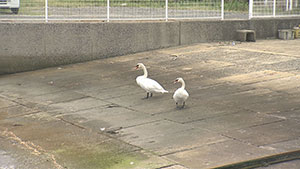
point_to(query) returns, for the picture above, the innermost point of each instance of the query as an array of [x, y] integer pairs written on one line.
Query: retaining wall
[[31, 46]]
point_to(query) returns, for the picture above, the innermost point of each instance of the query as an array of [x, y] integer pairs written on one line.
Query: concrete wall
[[30, 46], [208, 31]]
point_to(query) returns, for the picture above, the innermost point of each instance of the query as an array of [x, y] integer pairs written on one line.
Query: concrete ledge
[[264, 161], [31, 46]]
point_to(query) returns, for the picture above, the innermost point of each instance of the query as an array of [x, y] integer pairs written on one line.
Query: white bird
[[180, 95], [151, 86]]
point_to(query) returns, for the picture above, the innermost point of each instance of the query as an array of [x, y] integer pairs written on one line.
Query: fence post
[[250, 9], [46, 10], [222, 9], [291, 5], [274, 8], [166, 10], [107, 14]]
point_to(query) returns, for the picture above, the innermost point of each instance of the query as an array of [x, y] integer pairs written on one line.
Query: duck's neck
[[145, 71], [182, 84]]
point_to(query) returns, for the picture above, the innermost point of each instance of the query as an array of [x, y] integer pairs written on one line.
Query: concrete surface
[[243, 105], [285, 165], [31, 46]]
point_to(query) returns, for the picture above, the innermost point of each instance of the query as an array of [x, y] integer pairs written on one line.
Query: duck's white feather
[[150, 85], [180, 95]]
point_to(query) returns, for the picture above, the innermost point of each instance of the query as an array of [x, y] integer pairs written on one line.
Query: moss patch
[[103, 157]]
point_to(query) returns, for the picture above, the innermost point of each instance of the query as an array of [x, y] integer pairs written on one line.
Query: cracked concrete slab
[[109, 118], [6, 103], [79, 104], [173, 143], [57, 97], [15, 111], [65, 145], [111, 93], [23, 89], [217, 154], [243, 105], [155, 129], [238, 120], [196, 112], [267, 134]]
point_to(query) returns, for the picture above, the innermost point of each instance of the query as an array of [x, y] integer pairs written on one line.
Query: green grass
[[230, 5], [36, 7], [236, 5]]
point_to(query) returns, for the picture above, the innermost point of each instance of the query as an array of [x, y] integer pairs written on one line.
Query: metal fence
[[115, 9], [146, 9], [273, 8]]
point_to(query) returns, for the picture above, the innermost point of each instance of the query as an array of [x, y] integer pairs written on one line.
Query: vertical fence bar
[[274, 8], [166, 10], [286, 5], [46, 10], [222, 9], [107, 14], [291, 5], [250, 9]]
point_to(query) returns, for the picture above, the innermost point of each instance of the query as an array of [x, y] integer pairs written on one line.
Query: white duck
[[180, 95], [151, 86]]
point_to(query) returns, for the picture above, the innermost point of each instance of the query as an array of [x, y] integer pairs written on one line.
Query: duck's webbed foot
[[183, 104], [146, 96]]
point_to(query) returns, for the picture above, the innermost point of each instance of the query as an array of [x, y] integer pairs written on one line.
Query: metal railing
[[116, 10], [148, 9], [273, 8]]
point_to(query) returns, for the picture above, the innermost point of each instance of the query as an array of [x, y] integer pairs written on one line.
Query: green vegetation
[[236, 5], [98, 157], [230, 5], [37, 7]]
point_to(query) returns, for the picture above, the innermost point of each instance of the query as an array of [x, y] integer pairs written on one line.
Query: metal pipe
[[46, 10], [250, 9], [274, 8], [166, 10], [291, 5], [107, 14], [222, 9]]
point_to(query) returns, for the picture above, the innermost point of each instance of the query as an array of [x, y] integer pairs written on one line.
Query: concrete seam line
[[264, 161]]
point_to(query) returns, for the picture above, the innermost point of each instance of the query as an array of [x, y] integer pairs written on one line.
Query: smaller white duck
[[151, 86], [180, 95]]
